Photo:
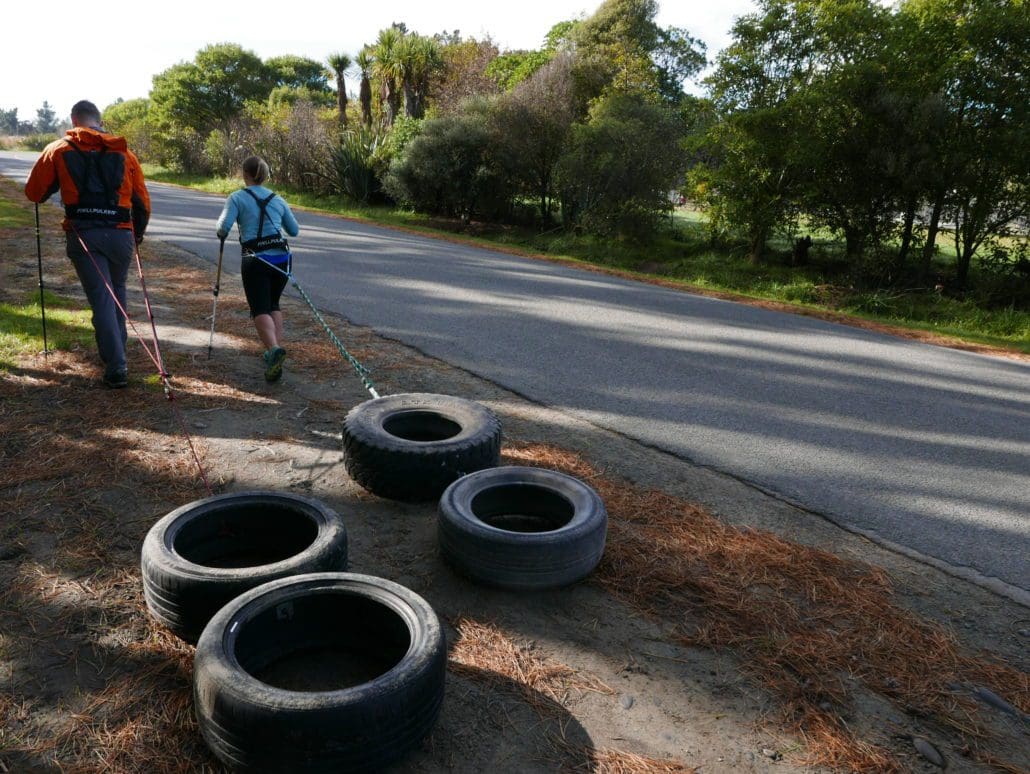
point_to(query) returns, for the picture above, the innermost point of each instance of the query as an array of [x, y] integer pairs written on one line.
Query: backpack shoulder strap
[[275, 240]]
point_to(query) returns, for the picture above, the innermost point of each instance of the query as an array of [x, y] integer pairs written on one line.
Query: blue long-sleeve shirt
[[241, 209]]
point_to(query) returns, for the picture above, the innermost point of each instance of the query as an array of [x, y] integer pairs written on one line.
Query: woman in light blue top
[[262, 216]]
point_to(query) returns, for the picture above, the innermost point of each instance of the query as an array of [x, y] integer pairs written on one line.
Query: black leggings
[[262, 284]]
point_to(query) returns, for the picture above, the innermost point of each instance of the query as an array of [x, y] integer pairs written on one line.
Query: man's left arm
[[140, 198]]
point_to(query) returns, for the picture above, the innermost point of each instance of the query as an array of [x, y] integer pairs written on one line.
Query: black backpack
[[98, 176]]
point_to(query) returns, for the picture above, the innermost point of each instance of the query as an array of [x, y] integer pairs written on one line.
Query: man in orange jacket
[[107, 207]]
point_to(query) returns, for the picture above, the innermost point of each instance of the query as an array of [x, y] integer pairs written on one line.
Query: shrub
[[221, 154], [292, 138], [178, 149], [456, 167], [1004, 277], [404, 130], [353, 165], [621, 165], [534, 122], [36, 142], [131, 120]]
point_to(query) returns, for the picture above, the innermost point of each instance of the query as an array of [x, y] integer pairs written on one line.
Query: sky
[[70, 53]]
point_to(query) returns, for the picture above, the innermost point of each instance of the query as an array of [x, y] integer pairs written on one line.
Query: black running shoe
[[117, 379]]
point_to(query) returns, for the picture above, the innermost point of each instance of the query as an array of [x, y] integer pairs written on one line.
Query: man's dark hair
[[85, 112]]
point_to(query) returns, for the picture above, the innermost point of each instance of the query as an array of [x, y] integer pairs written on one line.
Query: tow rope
[[363, 373], [155, 355]]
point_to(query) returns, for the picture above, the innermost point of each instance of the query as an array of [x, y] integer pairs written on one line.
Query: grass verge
[[21, 327], [12, 215]]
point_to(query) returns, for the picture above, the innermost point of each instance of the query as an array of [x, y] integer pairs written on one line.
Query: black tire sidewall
[[403, 469], [366, 421], [519, 560], [289, 728], [166, 572]]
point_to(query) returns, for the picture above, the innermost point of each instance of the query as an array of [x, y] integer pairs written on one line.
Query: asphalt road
[[924, 447]]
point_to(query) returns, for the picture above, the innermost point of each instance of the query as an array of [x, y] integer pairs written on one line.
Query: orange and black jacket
[[99, 178]]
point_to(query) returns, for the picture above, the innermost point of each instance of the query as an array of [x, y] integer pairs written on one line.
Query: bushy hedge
[[620, 165], [612, 172], [456, 167], [36, 142]]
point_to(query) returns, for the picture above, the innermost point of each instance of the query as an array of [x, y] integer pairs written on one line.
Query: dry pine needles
[[808, 625]]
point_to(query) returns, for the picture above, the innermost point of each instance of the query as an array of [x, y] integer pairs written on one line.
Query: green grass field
[[14, 216], [21, 329], [683, 254]]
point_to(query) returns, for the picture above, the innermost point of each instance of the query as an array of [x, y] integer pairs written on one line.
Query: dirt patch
[[664, 661]]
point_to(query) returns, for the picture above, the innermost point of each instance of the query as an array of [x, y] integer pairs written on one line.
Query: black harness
[[262, 243], [97, 176]]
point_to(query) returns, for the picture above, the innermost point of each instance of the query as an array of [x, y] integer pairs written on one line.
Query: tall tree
[[212, 89], [616, 175], [190, 100], [365, 61], [297, 78], [419, 58], [990, 162], [9, 121], [640, 55], [856, 116], [297, 72], [513, 67], [464, 73], [130, 119], [46, 119], [927, 46], [388, 70], [540, 112], [751, 175], [340, 63]]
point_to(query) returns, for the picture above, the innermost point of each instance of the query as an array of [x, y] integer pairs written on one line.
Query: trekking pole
[[214, 307], [155, 353], [150, 313], [42, 304]]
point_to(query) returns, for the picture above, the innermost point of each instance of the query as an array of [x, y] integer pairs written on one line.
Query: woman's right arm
[[227, 218], [289, 222]]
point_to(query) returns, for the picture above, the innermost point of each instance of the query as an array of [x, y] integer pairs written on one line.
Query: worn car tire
[[257, 715], [411, 446], [522, 528], [200, 556]]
